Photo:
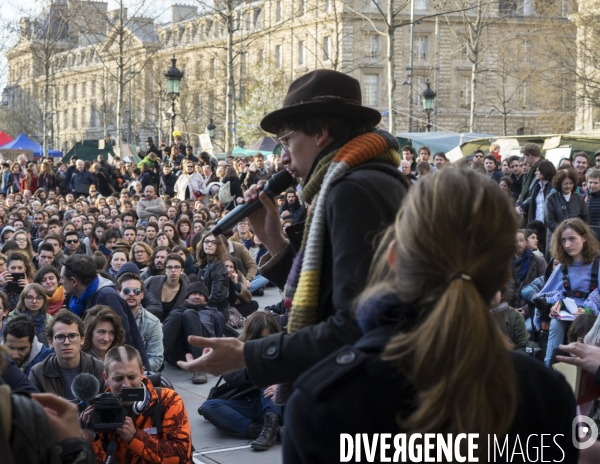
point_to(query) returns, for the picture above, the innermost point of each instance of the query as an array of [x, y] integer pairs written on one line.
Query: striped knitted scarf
[[304, 280]]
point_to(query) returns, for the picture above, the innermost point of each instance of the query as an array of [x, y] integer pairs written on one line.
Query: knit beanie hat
[[128, 267], [196, 287]]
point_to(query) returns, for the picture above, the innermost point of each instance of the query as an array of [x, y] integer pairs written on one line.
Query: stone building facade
[[281, 39]]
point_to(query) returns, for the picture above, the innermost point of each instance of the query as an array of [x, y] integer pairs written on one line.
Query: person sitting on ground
[[34, 304], [49, 278], [131, 289], [194, 316], [150, 433], [239, 295], [292, 207], [170, 288], [525, 268], [88, 289], [26, 349], [17, 265], [510, 322], [56, 373], [533, 242], [252, 415], [211, 255], [103, 330]]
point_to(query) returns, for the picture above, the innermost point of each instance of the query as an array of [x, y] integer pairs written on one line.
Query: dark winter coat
[[324, 405], [167, 184], [593, 205], [103, 183], [154, 285], [297, 211], [361, 204], [215, 277], [558, 209], [537, 267], [81, 181], [530, 205]]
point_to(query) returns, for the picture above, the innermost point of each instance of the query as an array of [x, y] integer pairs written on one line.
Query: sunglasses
[[127, 291], [70, 242]]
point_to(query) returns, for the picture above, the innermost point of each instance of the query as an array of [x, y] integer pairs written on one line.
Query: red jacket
[[32, 187], [173, 446]]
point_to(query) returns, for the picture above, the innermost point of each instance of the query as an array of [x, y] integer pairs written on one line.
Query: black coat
[[353, 391], [558, 209], [530, 205], [167, 184], [235, 187], [593, 204], [215, 277], [361, 204]]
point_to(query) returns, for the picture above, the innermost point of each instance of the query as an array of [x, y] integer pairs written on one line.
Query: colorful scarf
[[304, 280], [77, 305], [56, 301]]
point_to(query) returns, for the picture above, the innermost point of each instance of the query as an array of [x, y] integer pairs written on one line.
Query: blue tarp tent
[[437, 141], [24, 143]]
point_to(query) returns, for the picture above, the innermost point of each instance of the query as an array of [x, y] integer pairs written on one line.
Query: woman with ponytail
[[431, 359]]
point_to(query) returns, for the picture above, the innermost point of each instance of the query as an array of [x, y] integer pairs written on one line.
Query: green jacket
[[515, 324]]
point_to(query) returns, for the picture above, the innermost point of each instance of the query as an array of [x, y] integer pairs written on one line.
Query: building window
[[326, 48], [243, 63], [301, 52], [260, 55], [278, 10], [373, 47], [371, 89], [525, 96], [421, 4], [465, 92], [327, 6], [302, 9], [213, 66], [527, 52], [421, 48], [527, 7], [278, 56]]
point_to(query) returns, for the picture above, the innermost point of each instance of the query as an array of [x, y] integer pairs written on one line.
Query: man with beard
[[26, 350]]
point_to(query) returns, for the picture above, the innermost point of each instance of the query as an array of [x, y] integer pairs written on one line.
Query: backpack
[[225, 196]]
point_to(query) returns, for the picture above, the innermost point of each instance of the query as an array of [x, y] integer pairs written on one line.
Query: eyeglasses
[[284, 140], [20, 239], [140, 252], [173, 268], [70, 242], [210, 242], [190, 166], [60, 338], [34, 298], [127, 291]]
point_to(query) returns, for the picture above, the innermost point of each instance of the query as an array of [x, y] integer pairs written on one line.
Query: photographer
[[155, 430]]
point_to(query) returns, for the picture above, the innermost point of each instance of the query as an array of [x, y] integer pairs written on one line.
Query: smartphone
[[14, 285]]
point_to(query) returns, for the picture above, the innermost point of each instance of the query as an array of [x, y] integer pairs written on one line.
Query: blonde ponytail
[[458, 363], [454, 238]]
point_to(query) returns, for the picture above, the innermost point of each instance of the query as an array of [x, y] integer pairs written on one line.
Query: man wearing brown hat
[[193, 317], [353, 187]]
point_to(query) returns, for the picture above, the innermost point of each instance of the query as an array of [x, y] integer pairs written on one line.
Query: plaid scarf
[[304, 280]]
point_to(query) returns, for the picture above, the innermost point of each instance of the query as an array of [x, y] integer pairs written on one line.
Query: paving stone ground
[[213, 446]]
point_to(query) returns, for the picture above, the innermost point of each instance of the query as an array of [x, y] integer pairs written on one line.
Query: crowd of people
[[410, 274]]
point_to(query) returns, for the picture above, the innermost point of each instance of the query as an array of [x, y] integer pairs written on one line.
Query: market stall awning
[[25, 145]]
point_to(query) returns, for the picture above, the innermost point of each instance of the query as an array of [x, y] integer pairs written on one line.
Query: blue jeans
[[556, 337], [258, 283], [236, 415]]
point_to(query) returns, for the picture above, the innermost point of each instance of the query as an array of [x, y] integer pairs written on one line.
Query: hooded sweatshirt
[[38, 353]]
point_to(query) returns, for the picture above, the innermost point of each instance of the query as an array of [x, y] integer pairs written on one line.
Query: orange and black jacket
[[172, 446]]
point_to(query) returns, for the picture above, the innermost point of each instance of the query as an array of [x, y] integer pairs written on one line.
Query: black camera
[[108, 413]]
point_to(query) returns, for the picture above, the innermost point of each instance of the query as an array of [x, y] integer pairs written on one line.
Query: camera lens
[[109, 416]]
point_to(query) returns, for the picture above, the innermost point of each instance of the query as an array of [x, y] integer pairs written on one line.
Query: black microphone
[[275, 185], [85, 387]]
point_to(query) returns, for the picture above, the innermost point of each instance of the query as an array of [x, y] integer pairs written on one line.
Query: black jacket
[[361, 204], [593, 204], [297, 211], [15, 377], [530, 205], [324, 405], [167, 184], [103, 183], [216, 279], [558, 209]]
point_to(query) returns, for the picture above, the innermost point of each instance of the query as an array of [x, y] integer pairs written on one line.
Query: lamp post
[[210, 129], [174, 77], [428, 99]]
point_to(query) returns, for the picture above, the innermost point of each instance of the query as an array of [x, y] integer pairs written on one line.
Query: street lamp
[[428, 99], [210, 129], [174, 77]]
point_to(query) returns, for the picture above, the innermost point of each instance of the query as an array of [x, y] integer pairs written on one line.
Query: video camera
[[109, 413]]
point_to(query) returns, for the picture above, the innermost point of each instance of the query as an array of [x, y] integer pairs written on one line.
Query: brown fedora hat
[[322, 92]]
